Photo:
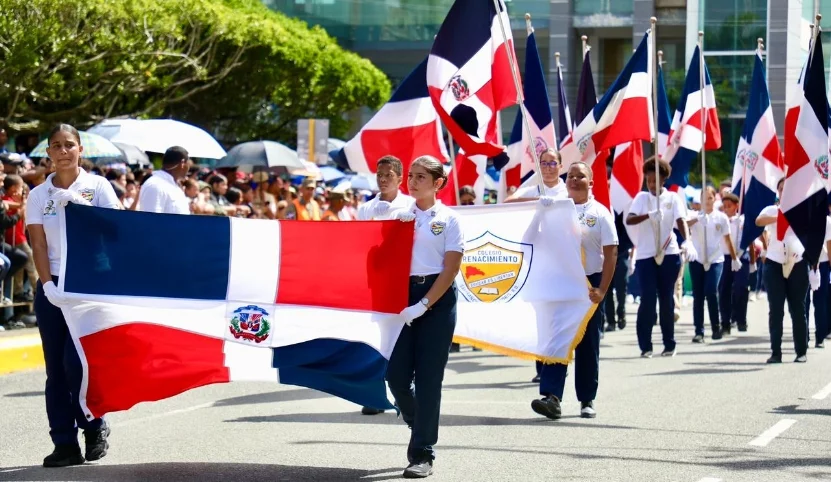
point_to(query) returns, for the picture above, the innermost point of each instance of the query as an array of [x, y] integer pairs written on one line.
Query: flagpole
[[659, 255], [520, 100], [453, 169], [701, 82]]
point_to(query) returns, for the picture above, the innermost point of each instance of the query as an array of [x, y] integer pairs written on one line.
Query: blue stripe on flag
[[414, 86], [757, 197], [638, 63], [465, 30], [113, 252], [536, 93], [759, 100], [350, 370], [586, 95], [563, 116], [664, 112]]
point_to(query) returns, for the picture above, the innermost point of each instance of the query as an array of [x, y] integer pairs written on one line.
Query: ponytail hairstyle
[[433, 167], [65, 128]]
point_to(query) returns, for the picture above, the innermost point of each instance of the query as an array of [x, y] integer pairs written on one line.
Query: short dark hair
[[174, 155], [11, 181], [64, 128], [664, 169], [233, 195], [216, 179], [467, 190], [189, 183], [730, 197], [112, 175], [393, 162]]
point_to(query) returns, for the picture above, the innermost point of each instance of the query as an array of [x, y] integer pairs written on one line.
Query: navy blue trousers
[[619, 287], [586, 360], [733, 292], [821, 300], [705, 288], [63, 373], [793, 290], [657, 285], [416, 369]]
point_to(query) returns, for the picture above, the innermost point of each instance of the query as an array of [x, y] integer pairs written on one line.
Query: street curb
[[19, 353]]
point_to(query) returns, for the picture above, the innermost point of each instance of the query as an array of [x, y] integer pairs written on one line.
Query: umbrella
[[309, 169], [95, 147], [263, 154], [364, 181], [133, 154], [157, 135], [331, 174], [334, 144]]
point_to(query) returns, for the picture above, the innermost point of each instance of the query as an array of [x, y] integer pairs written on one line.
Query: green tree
[[232, 66]]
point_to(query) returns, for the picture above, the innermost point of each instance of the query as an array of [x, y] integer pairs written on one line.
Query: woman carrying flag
[[416, 367], [657, 254], [599, 241], [550, 163], [69, 183]]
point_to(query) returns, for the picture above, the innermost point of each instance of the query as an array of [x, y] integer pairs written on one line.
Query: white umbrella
[[157, 135], [364, 181]]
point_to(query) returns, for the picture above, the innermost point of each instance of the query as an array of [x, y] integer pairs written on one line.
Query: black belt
[[420, 280]]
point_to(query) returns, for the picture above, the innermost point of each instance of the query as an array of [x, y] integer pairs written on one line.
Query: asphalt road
[[713, 413]]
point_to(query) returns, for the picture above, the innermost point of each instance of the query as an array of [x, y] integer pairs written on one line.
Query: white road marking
[[19, 342], [822, 394], [6, 471], [773, 432], [710, 479], [135, 421]]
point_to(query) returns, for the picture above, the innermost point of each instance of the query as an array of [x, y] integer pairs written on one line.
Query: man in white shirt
[[161, 193], [389, 173]]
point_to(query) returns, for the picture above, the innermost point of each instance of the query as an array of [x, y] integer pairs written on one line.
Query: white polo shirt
[[42, 209], [559, 191], [776, 249], [736, 225], [597, 226], [366, 211], [671, 211], [717, 227], [824, 254], [161, 194], [437, 231]]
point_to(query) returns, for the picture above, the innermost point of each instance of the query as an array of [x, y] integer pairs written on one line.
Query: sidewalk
[[20, 350]]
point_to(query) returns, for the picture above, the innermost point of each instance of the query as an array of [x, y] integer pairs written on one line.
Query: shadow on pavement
[[702, 371], [462, 367], [294, 395], [193, 472], [794, 410], [490, 386], [24, 394]]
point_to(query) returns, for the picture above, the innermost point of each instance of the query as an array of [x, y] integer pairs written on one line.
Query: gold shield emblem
[[493, 269], [437, 228]]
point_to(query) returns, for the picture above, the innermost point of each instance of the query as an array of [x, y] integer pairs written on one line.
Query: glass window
[[731, 76], [733, 24], [592, 7]]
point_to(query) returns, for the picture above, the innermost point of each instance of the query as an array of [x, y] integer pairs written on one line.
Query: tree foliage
[[233, 67]]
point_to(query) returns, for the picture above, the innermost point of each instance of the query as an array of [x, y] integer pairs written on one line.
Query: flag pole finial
[[760, 43], [557, 59], [585, 39], [528, 27]]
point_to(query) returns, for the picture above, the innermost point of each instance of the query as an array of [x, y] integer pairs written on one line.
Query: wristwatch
[[425, 302]]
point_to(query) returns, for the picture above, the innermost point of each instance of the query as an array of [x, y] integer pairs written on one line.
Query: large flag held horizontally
[[521, 164], [804, 200], [758, 167], [406, 127], [469, 73], [628, 100], [256, 301], [514, 254], [685, 134]]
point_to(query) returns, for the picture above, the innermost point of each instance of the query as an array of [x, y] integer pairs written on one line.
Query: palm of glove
[[410, 313], [65, 196]]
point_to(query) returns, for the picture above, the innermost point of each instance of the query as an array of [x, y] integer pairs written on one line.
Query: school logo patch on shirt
[[493, 269], [87, 194], [437, 227], [718, 228], [49, 208]]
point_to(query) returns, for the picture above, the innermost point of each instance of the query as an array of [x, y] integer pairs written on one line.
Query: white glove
[[690, 254], [752, 267], [410, 313], [381, 208], [546, 201], [763, 254], [404, 216], [65, 196], [52, 293], [653, 215], [631, 265], [813, 279], [737, 264]]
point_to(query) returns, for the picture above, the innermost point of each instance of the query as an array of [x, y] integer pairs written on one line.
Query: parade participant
[[782, 285], [388, 174], [599, 242], [161, 193], [820, 294], [733, 286], [657, 277], [705, 273], [619, 282], [416, 367], [550, 163], [69, 183]]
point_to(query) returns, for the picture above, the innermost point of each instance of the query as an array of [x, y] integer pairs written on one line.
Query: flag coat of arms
[[231, 299], [514, 255]]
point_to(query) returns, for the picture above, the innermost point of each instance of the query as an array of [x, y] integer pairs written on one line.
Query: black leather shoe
[[717, 335], [819, 345], [455, 348], [775, 359], [419, 470], [610, 327], [370, 411], [536, 379], [621, 323], [726, 329], [548, 406], [96, 442], [64, 456], [742, 328]]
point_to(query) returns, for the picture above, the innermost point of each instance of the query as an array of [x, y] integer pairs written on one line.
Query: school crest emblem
[[493, 269], [49, 208], [589, 221], [437, 228], [747, 158], [539, 145], [459, 88], [87, 194], [821, 165], [250, 323], [583, 143]]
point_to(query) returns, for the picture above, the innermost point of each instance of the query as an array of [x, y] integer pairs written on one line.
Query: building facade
[[397, 34]]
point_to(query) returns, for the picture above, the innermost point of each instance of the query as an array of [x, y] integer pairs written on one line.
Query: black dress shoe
[[419, 470], [621, 323], [455, 347], [64, 456], [775, 359], [742, 328], [96, 444], [536, 379], [819, 345], [548, 406], [370, 411], [610, 327], [717, 335], [726, 329], [801, 359]]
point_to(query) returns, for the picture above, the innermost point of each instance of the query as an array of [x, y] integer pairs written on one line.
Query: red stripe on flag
[[600, 190], [361, 265], [502, 82], [631, 123], [773, 153], [141, 362], [406, 144], [793, 148], [712, 140]]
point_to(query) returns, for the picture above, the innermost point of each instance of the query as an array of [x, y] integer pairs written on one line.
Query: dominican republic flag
[[563, 114], [804, 202], [521, 165], [256, 301], [685, 134], [406, 127], [469, 73], [623, 114], [627, 175], [758, 167], [664, 113]]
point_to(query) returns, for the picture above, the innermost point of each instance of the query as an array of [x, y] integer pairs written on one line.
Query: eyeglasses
[[550, 164]]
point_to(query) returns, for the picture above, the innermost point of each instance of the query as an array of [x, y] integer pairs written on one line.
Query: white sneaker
[[630, 299]]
